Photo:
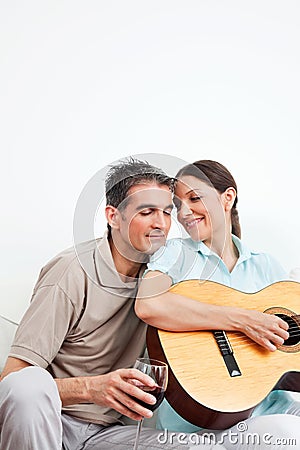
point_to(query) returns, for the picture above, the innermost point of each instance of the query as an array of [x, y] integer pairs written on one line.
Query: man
[[82, 328]]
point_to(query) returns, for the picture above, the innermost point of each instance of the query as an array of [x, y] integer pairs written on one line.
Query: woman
[[206, 202]]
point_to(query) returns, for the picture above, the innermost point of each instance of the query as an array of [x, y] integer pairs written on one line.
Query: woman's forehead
[[188, 183]]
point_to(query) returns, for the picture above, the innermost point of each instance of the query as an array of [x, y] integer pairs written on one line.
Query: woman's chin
[[196, 239], [195, 236]]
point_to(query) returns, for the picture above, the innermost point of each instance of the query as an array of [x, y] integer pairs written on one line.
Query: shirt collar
[[244, 251], [199, 246]]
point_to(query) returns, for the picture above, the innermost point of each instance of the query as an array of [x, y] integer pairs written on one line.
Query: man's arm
[[162, 309], [13, 365], [114, 389]]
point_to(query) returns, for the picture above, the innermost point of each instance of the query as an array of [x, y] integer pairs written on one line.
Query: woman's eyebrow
[[197, 191]]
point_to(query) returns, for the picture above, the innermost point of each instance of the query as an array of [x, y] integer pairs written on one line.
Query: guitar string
[[293, 330], [293, 333], [244, 339], [251, 344], [246, 343], [292, 336]]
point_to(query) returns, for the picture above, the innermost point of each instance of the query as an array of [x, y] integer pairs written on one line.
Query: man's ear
[[112, 215], [229, 197]]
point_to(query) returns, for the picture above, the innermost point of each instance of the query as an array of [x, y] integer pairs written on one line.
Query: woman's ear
[[112, 215], [229, 197]]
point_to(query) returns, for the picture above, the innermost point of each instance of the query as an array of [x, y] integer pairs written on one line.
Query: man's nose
[[161, 220]]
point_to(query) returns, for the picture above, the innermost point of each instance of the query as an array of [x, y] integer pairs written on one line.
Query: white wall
[[85, 83]]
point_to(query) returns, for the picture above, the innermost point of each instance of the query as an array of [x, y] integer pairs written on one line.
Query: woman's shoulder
[[246, 251], [179, 242], [263, 262], [169, 253], [169, 248], [269, 266]]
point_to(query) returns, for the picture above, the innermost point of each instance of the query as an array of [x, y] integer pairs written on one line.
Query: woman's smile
[[194, 222]]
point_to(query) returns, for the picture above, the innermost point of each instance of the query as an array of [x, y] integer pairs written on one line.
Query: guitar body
[[200, 387]]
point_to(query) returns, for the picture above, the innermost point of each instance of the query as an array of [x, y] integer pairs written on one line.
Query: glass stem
[[137, 436]]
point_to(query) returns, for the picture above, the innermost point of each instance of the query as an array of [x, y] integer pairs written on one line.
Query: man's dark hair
[[131, 172]]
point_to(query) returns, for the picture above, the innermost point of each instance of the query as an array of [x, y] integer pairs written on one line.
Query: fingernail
[[153, 399]]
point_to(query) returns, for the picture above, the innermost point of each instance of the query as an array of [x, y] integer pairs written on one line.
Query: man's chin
[[154, 246]]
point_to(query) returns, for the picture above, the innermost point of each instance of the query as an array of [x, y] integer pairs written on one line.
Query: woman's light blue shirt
[[185, 259]]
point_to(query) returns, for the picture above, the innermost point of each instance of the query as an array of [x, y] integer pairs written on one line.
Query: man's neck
[[127, 268]]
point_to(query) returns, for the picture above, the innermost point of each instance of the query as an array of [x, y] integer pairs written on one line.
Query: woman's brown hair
[[217, 176]]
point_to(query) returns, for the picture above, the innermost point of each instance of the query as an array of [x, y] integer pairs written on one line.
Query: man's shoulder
[[72, 254], [68, 261], [87, 247]]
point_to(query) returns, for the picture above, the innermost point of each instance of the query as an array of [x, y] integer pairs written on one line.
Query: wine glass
[[157, 370]]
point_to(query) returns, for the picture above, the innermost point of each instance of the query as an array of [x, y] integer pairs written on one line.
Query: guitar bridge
[[227, 353]]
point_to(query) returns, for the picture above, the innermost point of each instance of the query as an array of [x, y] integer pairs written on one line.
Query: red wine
[[157, 391]]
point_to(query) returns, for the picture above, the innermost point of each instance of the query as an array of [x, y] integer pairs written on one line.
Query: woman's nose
[[185, 210]]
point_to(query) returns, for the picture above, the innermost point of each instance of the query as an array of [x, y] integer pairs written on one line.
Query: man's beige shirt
[[81, 322]]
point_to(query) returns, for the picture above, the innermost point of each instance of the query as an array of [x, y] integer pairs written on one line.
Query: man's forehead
[[149, 192], [144, 188]]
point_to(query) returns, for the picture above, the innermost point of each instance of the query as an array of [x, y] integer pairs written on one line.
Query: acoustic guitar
[[217, 378]]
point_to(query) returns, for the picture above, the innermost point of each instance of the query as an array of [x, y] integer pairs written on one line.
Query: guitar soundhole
[[294, 330]]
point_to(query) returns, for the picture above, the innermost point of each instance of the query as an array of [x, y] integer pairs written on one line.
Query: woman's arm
[[162, 309]]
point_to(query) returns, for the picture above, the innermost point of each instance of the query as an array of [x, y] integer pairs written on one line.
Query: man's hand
[[116, 390]]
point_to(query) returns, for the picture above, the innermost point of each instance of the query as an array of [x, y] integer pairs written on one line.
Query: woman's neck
[[225, 248]]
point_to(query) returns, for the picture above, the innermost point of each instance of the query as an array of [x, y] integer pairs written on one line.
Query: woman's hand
[[267, 330]]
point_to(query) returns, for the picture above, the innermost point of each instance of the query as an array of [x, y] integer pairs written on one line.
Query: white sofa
[[7, 332]]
